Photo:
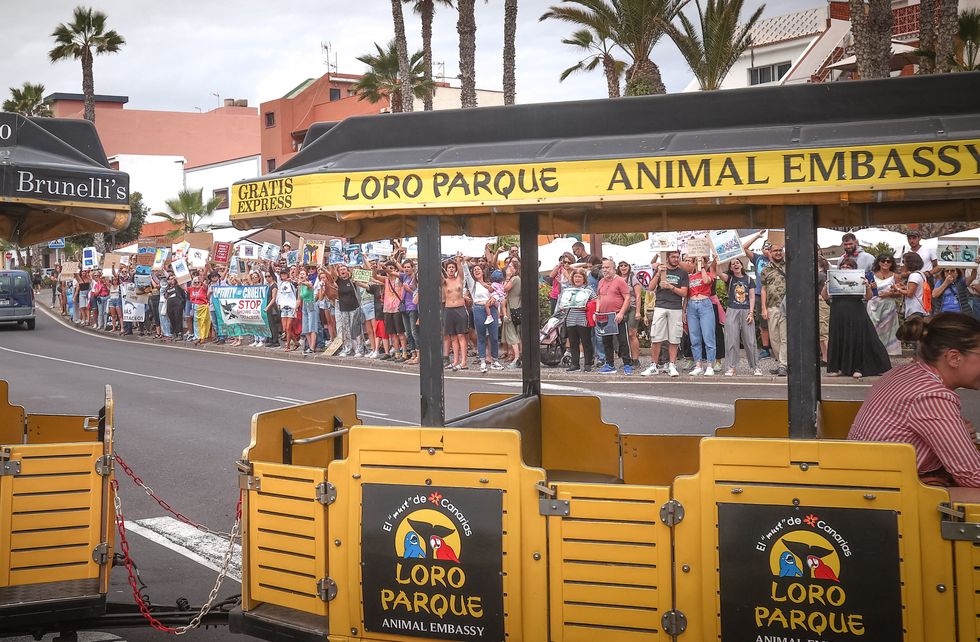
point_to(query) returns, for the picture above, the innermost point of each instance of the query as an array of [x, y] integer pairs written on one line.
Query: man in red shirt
[[614, 301]]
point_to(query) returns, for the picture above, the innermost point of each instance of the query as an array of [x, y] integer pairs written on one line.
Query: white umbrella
[[901, 55]]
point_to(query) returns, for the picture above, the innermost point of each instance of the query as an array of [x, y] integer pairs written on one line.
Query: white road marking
[[180, 382], [204, 548], [710, 405]]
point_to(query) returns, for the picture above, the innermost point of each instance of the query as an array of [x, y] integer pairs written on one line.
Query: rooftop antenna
[[327, 49], [441, 65], [218, 96]]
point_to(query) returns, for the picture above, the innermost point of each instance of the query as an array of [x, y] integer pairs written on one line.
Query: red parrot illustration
[[820, 570], [442, 550]]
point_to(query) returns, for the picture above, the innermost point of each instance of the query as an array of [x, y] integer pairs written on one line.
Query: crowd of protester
[[686, 307]]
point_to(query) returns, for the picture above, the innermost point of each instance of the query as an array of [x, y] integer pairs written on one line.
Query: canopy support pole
[[530, 346], [801, 320], [431, 384]]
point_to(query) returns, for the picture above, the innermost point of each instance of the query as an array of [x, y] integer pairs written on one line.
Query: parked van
[[16, 298]]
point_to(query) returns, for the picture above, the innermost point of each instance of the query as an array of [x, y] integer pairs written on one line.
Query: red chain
[[162, 502]]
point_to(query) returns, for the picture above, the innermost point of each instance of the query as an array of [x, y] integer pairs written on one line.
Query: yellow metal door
[[286, 542], [610, 564]]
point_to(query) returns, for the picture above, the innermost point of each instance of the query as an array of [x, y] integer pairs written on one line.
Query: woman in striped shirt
[[916, 404], [574, 301]]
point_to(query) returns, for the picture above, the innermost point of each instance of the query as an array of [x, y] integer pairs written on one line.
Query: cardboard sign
[[160, 257], [112, 260], [179, 250], [776, 237], [727, 244], [956, 252], [354, 255], [663, 241], [292, 258], [89, 258], [361, 276], [269, 252], [69, 268], [381, 248], [181, 271], [134, 309], [197, 258], [770, 555], [699, 247], [684, 237], [145, 255], [845, 283], [433, 531], [312, 252], [202, 240], [221, 252], [248, 251]]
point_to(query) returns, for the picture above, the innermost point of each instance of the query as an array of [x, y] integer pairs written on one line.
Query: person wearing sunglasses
[[883, 306]]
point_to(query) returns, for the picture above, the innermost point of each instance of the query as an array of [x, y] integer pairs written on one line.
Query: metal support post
[[801, 320], [431, 384], [530, 346]]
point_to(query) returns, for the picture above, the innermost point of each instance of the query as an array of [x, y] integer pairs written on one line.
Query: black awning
[[55, 181]]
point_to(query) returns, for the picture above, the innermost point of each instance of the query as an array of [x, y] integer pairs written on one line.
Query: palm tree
[[599, 50], [871, 26], [969, 37], [426, 9], [634, 25], [946, 29], [711, 53], [384, 82], [189, 210], [927, 37], [82, 39], [466, 28], [510, 35], [401, 46], [27, 101]]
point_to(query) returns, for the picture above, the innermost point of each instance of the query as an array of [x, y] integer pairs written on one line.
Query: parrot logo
[[814, 560], [412, 547], [434, 534], [443, 551], [787, 565]]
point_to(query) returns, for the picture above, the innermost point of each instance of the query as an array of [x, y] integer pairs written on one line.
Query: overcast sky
[[181, 52]]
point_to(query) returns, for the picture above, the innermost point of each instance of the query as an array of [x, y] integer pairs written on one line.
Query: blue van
[[16, 298]]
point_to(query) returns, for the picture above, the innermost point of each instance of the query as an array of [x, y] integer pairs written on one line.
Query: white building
[[216, 179]]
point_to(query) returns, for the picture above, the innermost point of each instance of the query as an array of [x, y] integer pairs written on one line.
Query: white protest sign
[[181, 271], [160, 258], [663, 241], [699, 246], [197, 258], [727, 244], [269, 252], [953, 251]]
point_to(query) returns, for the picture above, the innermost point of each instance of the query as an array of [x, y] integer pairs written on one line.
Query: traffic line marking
[[204, 548], [679, 401]]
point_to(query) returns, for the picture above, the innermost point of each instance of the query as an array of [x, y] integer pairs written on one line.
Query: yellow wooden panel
[[298, 488], [624, 510], [968, 580], [576, 633], [282, 560], [287, 524], [59, 537], [82, 463], [53, 429], [302, 419], [284, 542], [602, 594], [657, 459], [834, 418], [58, 501], [604, 531], [78, 571], [486, 462], [54, 519], [619, 574], [50, 556], [574, 436], [758, 418], [604, 615], [281, 504], [262, 574], [11, 418], [54, 483], [621, 553]]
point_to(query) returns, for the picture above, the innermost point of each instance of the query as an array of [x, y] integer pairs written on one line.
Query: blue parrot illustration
[[787, 565], [412, 547]]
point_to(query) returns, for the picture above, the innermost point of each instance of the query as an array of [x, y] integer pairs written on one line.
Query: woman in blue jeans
[[481, 292], [701, 317]]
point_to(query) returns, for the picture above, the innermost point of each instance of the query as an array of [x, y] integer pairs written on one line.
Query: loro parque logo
[[432, 561], [808, 574]]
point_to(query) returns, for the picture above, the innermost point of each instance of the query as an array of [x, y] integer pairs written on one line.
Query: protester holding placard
[[198, 294], [614, 301], [115, 305], [311, 313], [854, 348], [739, 317], [175, 298], [670, 283], [286, 299], [575, 302], [949, 293], [349, 325], [701, 315]]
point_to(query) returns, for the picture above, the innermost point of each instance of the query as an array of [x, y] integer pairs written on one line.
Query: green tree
[[383, 80], [715, 45], [624, 238], [634, 25], [189, 210], [598, 49], [138, 211], [969, 37], [82, 39], [28, 100], [426, 9]]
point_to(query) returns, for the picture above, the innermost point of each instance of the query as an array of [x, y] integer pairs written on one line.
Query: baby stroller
[[552, 339]]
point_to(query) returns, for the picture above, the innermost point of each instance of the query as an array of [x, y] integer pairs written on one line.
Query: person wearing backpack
[[917, 293]]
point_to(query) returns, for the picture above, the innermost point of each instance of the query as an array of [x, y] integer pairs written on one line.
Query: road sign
[[57, 244]]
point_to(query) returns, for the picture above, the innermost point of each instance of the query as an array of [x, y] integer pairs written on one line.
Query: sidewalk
[[743, 375]]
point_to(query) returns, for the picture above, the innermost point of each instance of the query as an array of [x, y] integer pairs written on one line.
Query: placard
[[312, 252], [181, 271], [845, 283], [381, 248], [197, 258], [69, 268], [248, 251], [160, 257], [953, 251], [361, 276], [179, 250], [292, 258], [203, 240], [145, 255], [663, 241], [684, 237], [354, 255], [112, 260], [336, 252], [808, 573], [239, 310], [727, 244], [133, 308], [411, 535], [221, 252], [89, 258], [776, 237], [269, 252], [700, 246]]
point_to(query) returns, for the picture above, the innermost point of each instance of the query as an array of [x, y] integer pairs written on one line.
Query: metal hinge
[[674, 622], [672, 513], [8, 467], [559, 507], [326, 493], [957, 529], [101, 554], [103, 465], [326, 588], [249, 482]]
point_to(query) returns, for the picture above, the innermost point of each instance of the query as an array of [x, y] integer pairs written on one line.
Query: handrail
[[87, 428], [328, 435]]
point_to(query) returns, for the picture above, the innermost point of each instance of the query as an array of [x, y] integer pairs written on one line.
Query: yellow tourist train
[[530, 517]]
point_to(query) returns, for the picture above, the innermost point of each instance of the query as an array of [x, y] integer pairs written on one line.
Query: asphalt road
[[183, 416]]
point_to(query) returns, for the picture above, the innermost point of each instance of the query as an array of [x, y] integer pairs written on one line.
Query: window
[[270, 119], [768, 73], [270, 165], [351, 92], [334, 94], [223, 195]]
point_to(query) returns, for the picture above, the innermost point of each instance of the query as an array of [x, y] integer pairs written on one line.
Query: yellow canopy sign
[[873, 167]]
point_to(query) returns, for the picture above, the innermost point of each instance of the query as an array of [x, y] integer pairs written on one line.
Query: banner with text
[[240, 310]]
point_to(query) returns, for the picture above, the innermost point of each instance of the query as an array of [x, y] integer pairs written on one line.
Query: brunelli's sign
[[40, 184], [808, 574], [871, 167], [432, 562]]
